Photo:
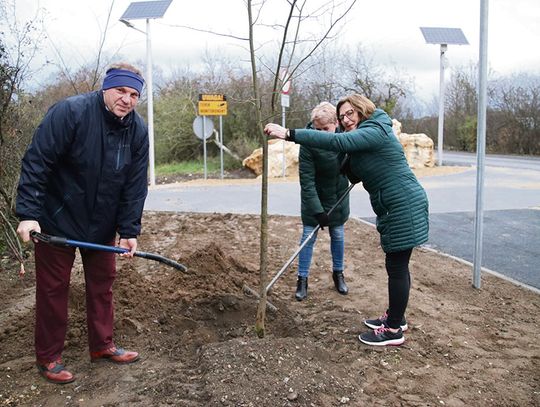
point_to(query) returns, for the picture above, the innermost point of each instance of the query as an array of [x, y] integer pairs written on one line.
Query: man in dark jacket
[[321, 187], [84, 177]]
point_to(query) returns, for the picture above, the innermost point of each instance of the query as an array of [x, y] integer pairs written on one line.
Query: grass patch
[[213, 164]]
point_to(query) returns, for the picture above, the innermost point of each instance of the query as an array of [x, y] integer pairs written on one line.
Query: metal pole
[[204, 143], [441, 106], [221, 143], [283, 142], [150, 105], [481, 143]]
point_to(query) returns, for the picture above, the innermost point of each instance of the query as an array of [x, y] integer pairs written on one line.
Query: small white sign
[[285, 100]]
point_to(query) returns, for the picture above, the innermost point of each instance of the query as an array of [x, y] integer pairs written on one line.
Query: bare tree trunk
[[263, 272], [261, 310]]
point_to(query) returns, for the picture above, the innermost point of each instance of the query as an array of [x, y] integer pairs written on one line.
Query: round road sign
[[198, 127]]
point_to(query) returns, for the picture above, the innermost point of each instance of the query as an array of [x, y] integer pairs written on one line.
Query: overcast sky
[[387, 28]]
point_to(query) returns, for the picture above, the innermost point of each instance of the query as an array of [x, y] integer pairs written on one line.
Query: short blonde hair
[[324, 113], [361, 104]]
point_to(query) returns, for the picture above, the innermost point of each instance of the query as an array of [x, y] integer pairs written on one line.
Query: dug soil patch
[[194, 330]]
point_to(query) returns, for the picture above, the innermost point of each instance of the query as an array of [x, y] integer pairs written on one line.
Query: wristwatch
[[289, 135]]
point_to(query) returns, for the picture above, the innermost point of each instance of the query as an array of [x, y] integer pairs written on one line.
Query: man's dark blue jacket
[[84, 176]]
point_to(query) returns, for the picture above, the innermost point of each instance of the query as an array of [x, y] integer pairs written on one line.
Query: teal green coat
[[378, 160], [322, 185]]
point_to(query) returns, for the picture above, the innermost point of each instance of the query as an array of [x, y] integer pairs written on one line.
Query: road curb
[[468, 263]]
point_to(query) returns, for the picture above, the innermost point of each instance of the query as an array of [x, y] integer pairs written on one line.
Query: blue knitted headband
[[121, 77]]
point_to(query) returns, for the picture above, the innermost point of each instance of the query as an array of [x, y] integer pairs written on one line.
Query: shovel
[[297, 252], [62, 241]]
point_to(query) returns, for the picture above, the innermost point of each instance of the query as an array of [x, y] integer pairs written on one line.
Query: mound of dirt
[[195, 333]]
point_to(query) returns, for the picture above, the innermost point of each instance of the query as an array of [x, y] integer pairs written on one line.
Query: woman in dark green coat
[[397, 198], [321, 187]]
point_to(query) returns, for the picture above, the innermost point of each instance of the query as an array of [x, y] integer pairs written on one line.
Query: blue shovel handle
[[62, 241]]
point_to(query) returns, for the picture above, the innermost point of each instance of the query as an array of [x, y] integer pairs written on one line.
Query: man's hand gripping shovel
[[62, 241]]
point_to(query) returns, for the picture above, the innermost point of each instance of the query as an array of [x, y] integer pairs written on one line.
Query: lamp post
[[481, 142], [442, 36], [147, 10]]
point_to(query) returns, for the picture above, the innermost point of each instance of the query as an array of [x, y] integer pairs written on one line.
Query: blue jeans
[[337, 248]]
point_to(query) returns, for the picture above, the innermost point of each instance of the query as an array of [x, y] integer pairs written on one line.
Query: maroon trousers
[[53, 272]]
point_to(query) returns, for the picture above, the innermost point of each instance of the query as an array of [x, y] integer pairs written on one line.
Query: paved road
[[511, 241], [511, 211], [505, 161]]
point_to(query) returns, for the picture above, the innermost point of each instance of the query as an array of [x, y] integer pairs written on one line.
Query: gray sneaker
[[382, 337], [380, 322]]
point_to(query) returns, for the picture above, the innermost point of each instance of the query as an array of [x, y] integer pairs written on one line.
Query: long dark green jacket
[[322, 185], [377, 159]]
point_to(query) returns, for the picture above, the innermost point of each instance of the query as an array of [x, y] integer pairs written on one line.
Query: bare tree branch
[[324, 37], [208, 32], [97, 69], [280, 56], [63, 67]]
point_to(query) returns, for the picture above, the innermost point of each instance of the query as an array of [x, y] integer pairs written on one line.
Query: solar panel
[[146, 9], [438, 35]]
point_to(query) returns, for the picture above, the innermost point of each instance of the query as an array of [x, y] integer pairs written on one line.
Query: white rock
[[276, 148]]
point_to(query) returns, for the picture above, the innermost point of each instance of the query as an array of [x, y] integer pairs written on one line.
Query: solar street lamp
[[147, 10], [442, 36]]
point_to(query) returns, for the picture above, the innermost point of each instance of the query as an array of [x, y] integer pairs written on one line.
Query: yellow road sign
[[213, 96], [212, 108]]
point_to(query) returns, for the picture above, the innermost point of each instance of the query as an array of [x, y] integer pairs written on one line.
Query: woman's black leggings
[[399, 284]]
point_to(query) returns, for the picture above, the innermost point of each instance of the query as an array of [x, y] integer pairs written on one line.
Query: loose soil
[[194, 330]]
